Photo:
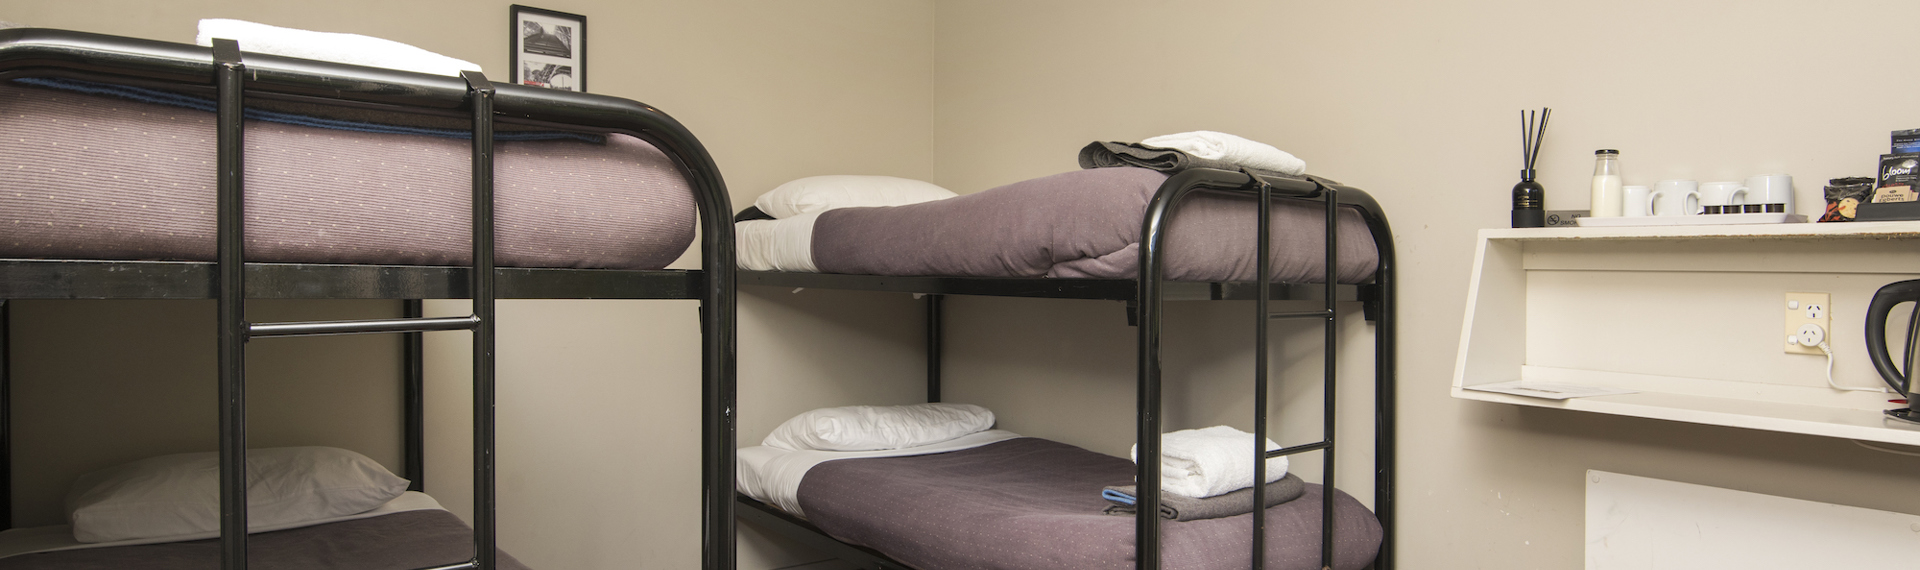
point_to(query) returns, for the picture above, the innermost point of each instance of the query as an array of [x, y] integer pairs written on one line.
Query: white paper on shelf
[[1548, 390]]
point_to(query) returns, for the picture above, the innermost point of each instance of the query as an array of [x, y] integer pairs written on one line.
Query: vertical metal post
[[1385, 363], [934, 340], [228, 77], [1264, 279], [719, 388], [1332, 279], [481, 93], [1146, 519], [6, 415], [413, 398]]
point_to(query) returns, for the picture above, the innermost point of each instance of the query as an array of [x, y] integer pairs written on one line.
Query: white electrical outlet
[[1804, 310]]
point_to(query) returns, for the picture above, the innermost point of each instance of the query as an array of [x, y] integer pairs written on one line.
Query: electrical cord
[[1829, 350]]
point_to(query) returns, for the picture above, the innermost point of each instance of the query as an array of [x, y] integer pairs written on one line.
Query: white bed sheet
[[772, 475], [776, 245], [15, 542]]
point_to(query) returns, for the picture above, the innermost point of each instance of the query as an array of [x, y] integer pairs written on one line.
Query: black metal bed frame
[[1144, 297], [225, 73]]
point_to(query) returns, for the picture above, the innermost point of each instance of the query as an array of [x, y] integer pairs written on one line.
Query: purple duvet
[[1030, 503], [399, 541], [96, 177], [1084, 223]]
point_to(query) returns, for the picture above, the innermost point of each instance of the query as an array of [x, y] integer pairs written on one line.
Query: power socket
[[1802, 311]]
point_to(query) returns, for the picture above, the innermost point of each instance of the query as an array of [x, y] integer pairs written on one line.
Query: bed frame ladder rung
[[375, 326]]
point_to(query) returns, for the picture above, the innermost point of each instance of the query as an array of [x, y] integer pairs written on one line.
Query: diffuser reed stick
[[1529, 198]]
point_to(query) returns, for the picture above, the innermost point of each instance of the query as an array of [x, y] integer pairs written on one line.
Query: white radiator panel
[[1649, 524]]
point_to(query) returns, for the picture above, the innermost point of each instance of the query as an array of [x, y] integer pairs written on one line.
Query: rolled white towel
[[329, 46], [1201, 463], [1230, 148]]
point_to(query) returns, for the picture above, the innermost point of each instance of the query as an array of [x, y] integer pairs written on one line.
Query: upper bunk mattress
[[1034, 503], [1085, 223], [101, 177]]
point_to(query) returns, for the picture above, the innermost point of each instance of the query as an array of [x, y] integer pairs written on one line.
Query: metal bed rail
[[1146, 296], [228, 75], [1153, 234]]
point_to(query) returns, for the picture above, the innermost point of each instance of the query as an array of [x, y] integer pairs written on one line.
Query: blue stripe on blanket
[[178, 100], [1116, 496]]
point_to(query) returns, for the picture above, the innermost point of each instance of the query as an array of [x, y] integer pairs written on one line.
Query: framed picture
[[549, 49]]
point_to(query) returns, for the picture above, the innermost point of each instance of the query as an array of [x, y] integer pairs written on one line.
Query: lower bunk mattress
[[1080, 224], [1030, 503], [410, 533], [89, 171]]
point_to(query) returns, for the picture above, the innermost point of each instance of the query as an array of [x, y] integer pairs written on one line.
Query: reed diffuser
[[1529, 198]]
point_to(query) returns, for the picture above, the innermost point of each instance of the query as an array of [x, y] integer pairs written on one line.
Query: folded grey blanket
[[1112, 154], [1184, 508]]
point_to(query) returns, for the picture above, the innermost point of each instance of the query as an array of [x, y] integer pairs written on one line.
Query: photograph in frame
[[549, 49]]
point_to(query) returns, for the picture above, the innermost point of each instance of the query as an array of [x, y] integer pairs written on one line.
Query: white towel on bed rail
[[1233, 149], [1211, 461], [329, 46]]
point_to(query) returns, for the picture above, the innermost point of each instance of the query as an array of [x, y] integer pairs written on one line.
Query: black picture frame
[[547, 48]]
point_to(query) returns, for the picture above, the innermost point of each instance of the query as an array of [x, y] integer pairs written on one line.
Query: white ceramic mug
[[1676, 198], [1771, 189], [1722, 194], [1636, 201]]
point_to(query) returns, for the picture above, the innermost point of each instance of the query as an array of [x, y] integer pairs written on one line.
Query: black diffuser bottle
[[1529, 198]]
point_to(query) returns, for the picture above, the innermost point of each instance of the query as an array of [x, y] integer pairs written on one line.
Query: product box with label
[[1894, 186], [1907, 141]]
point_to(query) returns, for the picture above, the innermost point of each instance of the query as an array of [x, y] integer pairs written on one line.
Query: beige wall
[[1415, 102]]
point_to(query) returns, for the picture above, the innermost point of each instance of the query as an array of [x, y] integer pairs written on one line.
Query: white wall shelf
[[1689, 316]]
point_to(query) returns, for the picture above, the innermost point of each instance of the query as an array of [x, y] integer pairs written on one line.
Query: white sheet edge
[[773, 475], [776, 245], [15, 542]]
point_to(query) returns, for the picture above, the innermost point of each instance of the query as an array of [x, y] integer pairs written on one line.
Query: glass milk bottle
[[1607, 196]]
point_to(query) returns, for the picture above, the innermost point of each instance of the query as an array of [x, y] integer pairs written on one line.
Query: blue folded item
[[186, 101], [1183, 508]]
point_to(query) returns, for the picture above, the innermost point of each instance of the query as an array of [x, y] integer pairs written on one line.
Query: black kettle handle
[[1877, 312]]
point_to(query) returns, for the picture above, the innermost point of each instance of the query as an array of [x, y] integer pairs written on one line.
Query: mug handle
[[1693, 203], [1653, 202], [1739, 196]]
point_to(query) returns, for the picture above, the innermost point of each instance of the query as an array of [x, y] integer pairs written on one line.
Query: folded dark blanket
[[1184, 508], [1112, 154]]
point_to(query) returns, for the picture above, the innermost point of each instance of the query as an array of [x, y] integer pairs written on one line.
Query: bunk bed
[[863, 538], [220, 78]]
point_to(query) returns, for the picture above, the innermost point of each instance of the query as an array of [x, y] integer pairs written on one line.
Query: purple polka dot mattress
[[100, 176]]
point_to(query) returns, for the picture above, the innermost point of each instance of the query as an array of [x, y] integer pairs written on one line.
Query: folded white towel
[[1201, 463], [328, 46], [1230, 148]]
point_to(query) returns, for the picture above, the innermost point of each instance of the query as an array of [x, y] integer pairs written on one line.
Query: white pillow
[[822, 193], [174, 495], [868, 428]]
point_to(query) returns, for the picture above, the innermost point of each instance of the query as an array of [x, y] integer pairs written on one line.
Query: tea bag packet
[[1899, 175], [1844, 196]]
